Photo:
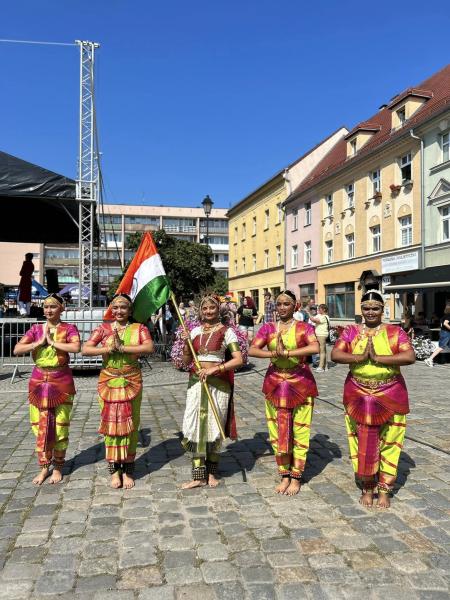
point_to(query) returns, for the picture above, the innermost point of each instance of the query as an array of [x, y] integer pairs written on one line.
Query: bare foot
[[116, 480], [195, 483], [366, 498], [294, 487], [39, 479], [283, 485], [56, 475], [213, 481], [384, 500], [128, 482]]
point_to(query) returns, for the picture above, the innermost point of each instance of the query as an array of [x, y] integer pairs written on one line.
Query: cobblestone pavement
[[84, 540]]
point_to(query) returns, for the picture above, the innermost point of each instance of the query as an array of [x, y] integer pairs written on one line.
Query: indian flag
[[145, 281]]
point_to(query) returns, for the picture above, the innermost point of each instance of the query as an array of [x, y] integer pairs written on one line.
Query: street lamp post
[[207, 207]]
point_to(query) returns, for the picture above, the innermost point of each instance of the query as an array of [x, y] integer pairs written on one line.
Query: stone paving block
[[137, 557], [31, 539], [407, 563], [66, 545], [428, 581], [20, 571], [183, 575], [27, 555], [176, 543], [212, 552], [60, 562], [231, 590], [161, 592], [16, 590], [180, 558], [261, 592], [257, 574], [217, 572], [99, 566], [286, 559], [95, 583], [135, 579], [57, 582], [113, 595]]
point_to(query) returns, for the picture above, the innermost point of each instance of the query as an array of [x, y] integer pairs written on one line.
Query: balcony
[[180, 228]]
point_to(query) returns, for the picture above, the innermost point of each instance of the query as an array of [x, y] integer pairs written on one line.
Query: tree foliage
[[187, 264]]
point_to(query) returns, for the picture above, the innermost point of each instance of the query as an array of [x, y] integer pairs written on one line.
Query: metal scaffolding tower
[[87, 181]]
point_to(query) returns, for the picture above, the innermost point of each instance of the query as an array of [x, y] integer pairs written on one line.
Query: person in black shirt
[[246, 316]]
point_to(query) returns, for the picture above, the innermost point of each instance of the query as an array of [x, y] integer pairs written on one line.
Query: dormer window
[[401, 115], [353, 149], [406, 104], [359, 136]]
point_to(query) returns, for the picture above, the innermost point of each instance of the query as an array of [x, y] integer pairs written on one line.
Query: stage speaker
[[51, 275]]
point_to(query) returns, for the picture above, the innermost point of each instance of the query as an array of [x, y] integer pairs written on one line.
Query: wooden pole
[[198, 367]]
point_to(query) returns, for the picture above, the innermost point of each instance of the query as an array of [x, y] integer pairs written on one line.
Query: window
[[235, 267], [255, 297], [294, 257], [353, 149], [266, 259], [221, 240], [405, 167], [254, 262], [266, 218], [329, 251], [350, 239], [445, 216], [307, 292], [243, 264], [278, 250], [307, 253], [110, 219], [340, 299], [445, 141], [244, 231], [141, 220], [294, 219], [254, 226], [401, 114], [279, 213], [329, 205], [375, 232], [113, 238], [307, 213], [375, 178], [405, 231], [235, 235], [350, 190]]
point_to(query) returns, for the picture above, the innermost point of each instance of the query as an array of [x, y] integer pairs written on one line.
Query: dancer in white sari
[[218, 352]]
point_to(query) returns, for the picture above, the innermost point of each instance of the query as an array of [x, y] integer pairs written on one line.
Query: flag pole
[[198, 367]]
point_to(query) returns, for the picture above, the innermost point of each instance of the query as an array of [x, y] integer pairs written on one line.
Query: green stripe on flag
[[150, 298]]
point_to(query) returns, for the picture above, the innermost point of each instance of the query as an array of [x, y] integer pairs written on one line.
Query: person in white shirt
[[322, 325]]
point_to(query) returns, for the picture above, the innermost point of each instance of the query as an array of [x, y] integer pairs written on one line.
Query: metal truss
[[87, 181]]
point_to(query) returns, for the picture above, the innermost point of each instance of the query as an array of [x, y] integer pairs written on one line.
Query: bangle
[[286, 353], [222, 368]]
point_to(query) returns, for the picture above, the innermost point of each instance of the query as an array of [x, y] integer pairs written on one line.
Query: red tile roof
[[437, 88]]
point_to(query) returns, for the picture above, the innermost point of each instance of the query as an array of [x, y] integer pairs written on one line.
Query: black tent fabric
[[37, 205]]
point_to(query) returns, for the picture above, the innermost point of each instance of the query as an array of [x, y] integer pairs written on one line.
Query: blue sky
[[202, 97]]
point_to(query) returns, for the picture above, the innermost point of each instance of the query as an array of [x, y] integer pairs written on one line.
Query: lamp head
[[207, 205]]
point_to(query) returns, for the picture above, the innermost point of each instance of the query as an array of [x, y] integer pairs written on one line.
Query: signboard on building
[[409, 261]]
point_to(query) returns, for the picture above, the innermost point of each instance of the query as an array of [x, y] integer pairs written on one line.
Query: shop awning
[[416, 286]]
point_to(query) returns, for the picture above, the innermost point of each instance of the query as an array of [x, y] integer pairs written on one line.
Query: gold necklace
[[363, 333], [203, 349], [290, 323]]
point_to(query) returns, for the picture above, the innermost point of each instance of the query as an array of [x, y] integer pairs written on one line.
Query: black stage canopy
[[37, 206]]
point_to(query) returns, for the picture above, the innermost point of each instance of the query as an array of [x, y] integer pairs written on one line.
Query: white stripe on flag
[[149, 269]]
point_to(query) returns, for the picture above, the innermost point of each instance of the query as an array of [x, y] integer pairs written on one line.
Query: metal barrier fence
[[12, 330]]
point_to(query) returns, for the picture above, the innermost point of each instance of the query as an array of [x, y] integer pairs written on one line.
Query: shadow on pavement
[[405, 465], [157, 456], [321, 453]]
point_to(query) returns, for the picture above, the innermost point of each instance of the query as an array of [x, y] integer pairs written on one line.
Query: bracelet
[[222, 368], [286, 353]]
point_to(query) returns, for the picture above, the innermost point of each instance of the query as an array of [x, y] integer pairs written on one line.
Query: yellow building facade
[[256, 242]]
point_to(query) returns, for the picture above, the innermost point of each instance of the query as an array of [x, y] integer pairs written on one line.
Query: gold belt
[[287, 369], [373, 384]]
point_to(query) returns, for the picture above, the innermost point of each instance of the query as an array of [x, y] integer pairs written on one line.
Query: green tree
[[187, 264]]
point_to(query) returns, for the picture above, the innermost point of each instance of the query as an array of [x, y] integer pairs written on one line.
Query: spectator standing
[[26, 276], [444, 336], [322, 324], [246, 315], [269, 308]]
